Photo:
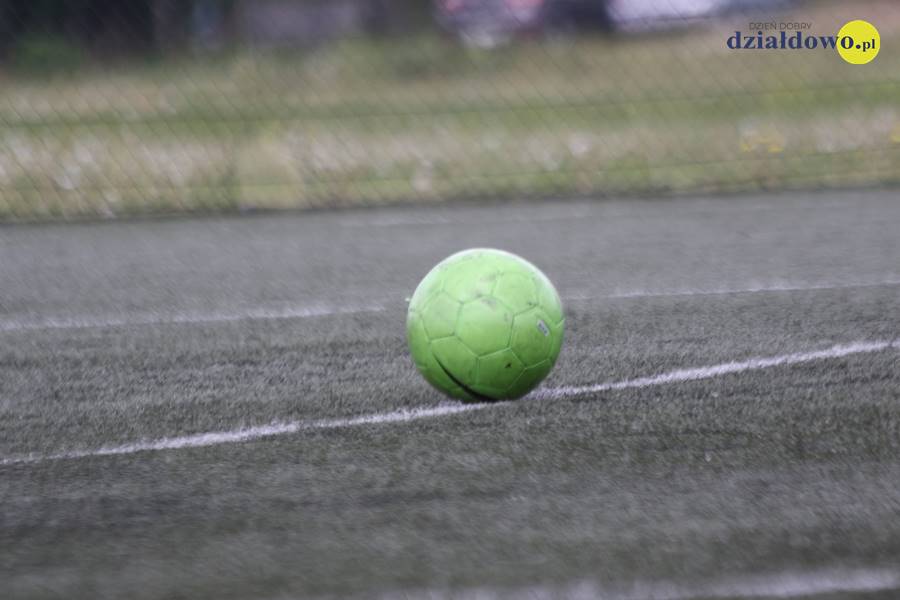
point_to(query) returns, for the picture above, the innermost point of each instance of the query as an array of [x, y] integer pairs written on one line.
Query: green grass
[[423, 119]]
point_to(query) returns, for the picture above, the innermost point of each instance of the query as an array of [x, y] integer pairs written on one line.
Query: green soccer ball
[[485, 325]]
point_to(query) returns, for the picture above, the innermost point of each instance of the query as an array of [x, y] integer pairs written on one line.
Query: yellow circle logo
[[858, 42]]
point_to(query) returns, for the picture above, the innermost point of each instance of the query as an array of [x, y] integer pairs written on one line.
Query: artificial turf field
[[225, 408]]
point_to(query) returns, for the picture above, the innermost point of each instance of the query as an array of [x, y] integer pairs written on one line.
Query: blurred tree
[[399, 16], [111, 27], [94, 23], [170, 19]]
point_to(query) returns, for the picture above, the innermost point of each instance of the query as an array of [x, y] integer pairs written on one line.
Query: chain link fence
[[165, 106]]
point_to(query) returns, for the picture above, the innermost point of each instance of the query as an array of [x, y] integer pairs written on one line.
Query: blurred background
[[112, 108]]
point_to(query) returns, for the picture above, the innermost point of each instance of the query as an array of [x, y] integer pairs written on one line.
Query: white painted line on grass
[[789, 584], [729, 291], [324, 310], [682, 375], [406, 415], [251, 433], [294, 312]]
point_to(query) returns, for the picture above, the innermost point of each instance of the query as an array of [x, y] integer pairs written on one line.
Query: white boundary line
[[324, 310], [296, 312], [709, 372], [251, 433], [729, 291], [789, 584], [403, 416]]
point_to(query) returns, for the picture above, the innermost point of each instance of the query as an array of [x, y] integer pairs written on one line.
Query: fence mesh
[[116, 108]]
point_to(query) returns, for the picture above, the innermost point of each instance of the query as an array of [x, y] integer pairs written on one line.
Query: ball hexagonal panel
[[499, 370], [548, 299], [470, 280], [531, 337], [431, 284], [509, 263], [454, 358], [529, 379], [516, 290], [417, 339], [439, 316], [557, 334], [484, 325], [438, 378]]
